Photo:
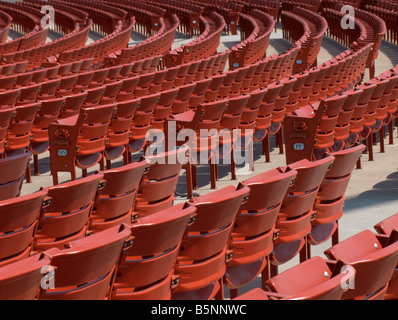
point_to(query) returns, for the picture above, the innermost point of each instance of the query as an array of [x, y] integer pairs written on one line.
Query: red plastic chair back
[[73, 104], [329, 202], [12, 173], [158, 186], [47, 113], [142, 121], [6, 115], [115, 202], [203, 255], [146, 268], [119, 129], [67, 217], [20, 130], [294, 219], [18, 223], [22, 280], [374, 263], [85, 269], [311, 280], [254, 227]]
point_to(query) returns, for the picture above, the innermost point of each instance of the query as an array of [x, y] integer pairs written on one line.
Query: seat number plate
[[298, 146], [62, 152]]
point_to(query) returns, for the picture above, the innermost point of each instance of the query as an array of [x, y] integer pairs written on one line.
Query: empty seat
[[12, 173], [328, 207], [23, 279], [19, 132], [386, 227], [314, 279], [114, 204], [119, 131], [66, 85], [296, 213], [229, 129], [141, 123], [9, 98], [374, 258], [158, 186], [85, 269], [6, 115], [163, 108], [146, 269], [254, 228], [48, 89], [18, 224], [66, 218], [205, 121], [204, 253], [73, 104], [28, 94]]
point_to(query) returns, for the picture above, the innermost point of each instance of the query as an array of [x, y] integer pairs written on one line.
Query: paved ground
[[372, 194]]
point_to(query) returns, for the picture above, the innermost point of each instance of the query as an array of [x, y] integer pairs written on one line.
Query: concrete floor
[[372, 194]]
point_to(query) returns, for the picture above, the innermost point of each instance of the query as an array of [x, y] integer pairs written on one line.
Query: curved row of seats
[[275, 120], [104, 17], [255, 30], [187, 13], [5, 25], [312, 5], [157, 44], [250, 234], [147, 15], [98, 50], [204, 45], [27, 24], [47, 51], [229, 11], [255, 96]]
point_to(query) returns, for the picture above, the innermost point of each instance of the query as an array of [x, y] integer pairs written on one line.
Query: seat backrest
[[231, 116], [20, 129], [9, 98], [294, 219], [84, 270], [216, 212], [158, 186], [119, 128], [249, 114], [345, 161], [267, 191], [310, 280], [94, 96], [67, 216], [6, 115], [47, 113], [386, 226], [73, 104], [22, 280], [18, 223], [12, 173], [210, 115], [373, 262], [29, 94], [150, 260], [328, 206], [115, 202], [203, 254], [310, 173], [93, 128]]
